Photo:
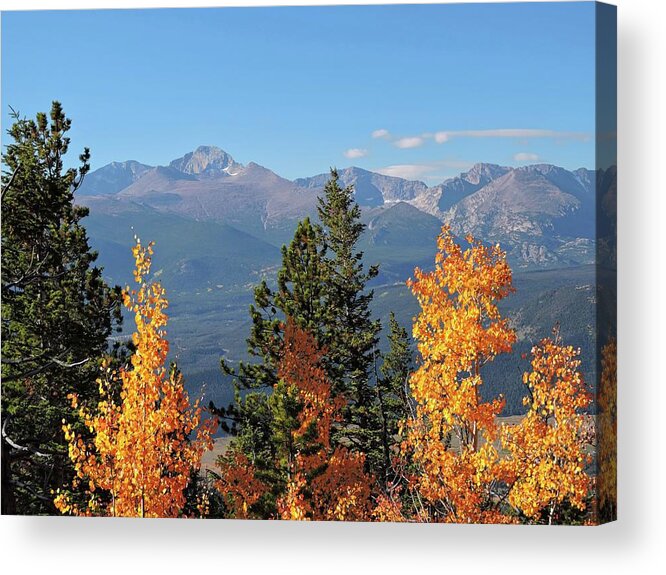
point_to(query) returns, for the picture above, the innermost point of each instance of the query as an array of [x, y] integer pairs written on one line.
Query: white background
[[633, 544]]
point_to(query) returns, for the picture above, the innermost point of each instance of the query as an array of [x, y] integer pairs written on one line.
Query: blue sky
[[415, 91]]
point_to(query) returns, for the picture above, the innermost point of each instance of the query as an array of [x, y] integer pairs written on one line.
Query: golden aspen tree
[[546, 450], [450, 439], [141, 457]]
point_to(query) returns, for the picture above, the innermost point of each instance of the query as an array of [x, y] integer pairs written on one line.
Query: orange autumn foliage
[[459, 329], [302, 371], [546, 458], [341, 492], [238, 484], [140, 458], [326, 483], [389, 508], [323, 482]]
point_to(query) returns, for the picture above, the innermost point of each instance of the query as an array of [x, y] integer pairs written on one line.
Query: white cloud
[[410, 142], [382, 133], [353, 153], [441, 137], [526, 157], [429, 171], [407, 171]]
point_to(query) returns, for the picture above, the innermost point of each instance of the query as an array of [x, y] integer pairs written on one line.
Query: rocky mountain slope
[[112, 178], [371, 189], [543, 215]]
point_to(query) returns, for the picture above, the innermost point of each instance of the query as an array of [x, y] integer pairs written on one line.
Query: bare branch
[[70, 365], [43, 454], [10, 182]]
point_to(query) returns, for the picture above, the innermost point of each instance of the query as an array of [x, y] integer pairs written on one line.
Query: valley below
[[219, 226]]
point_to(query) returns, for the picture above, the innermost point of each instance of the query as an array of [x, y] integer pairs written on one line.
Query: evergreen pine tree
[[263, 414], [392, 389], [322, 287], [352, 334], [57, 311]]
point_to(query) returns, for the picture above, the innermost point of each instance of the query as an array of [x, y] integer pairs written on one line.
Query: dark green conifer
[[57, 311], [352, 333], [263, 413], [392, 389]]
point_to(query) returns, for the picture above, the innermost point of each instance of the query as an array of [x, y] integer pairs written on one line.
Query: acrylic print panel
[[425, 333]]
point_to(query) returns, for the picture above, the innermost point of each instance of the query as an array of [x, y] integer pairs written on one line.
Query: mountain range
[[541, 214], [219, 226]]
